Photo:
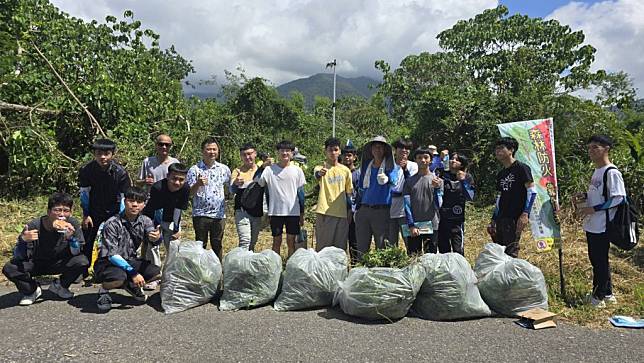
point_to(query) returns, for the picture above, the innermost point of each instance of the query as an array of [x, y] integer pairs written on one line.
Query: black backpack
[[622, 231], [252, 199]]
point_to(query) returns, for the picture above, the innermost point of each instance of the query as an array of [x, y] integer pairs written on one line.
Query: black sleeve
[[83, 180], [527, 174], [152, 203], [185, 198], [124, 181]]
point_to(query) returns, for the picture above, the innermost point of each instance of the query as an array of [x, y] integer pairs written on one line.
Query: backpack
[[252, 199], [622, 231]]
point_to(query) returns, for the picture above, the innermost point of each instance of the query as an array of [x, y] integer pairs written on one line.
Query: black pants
[[507, 235], [105, 271], [353, 242], [90, 237], [426, 243], [205, 226], [22, 273], [598, 246], [450, 236]]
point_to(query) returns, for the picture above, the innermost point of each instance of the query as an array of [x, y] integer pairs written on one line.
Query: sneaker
[[29, 299], [610, 299], [595, 302], [150, 286], [136, 292], [104, 302], [60, 291]]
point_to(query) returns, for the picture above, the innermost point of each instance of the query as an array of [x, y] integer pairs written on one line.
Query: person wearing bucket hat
[[378, 174]]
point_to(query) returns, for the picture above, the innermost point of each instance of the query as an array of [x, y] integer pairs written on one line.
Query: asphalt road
[[54, 330]]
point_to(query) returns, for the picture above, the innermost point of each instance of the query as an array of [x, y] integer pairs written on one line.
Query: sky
[[282, 40]]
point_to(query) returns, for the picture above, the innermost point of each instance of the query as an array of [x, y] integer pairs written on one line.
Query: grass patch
[[626, 267]]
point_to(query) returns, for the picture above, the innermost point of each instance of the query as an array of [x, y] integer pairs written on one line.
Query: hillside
[[321, 84]]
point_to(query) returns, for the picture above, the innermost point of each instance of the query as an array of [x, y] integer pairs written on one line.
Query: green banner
[[537, 150]]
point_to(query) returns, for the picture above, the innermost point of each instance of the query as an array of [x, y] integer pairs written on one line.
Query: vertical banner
[[537, 150]]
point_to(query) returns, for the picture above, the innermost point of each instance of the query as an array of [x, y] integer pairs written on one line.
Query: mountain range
[[320, 84]]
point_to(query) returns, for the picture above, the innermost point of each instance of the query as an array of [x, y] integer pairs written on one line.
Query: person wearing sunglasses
[[48, 245], [155, 168]]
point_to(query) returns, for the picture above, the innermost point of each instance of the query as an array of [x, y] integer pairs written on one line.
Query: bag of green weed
[[379, 293], [190, 278], [449, 291], [311, 278], [509, 285], [250, 279]]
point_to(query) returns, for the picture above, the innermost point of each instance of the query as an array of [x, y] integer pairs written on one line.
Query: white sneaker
[[610, 299], [151, 286], [595, 302], [29, 299], [60, 291]]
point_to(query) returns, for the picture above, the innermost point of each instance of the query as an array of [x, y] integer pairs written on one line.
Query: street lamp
[[329, 65]]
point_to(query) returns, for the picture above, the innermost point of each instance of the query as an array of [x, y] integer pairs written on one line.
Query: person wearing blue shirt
[[378, 174]]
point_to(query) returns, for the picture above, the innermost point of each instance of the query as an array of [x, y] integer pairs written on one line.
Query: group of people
[[389, 191]]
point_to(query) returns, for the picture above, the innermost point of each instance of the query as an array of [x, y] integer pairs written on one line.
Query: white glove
[[382, 178]]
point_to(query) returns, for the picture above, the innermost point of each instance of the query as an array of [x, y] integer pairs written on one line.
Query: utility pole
[[333, 65]]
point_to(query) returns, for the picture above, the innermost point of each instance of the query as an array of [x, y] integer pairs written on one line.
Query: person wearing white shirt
[[597, 210]]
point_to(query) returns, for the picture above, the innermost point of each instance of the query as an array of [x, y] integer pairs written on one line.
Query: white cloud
[[286, 39], [615, 29]]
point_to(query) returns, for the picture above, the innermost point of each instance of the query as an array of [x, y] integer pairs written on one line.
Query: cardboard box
[[537, 319]]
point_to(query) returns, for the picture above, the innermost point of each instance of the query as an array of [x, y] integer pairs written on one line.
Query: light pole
[[333, 64]]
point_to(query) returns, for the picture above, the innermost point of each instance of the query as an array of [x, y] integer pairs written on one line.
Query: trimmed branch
[[21, 108], [92, 119]]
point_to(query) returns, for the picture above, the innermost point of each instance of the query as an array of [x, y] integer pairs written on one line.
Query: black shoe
[[136, 292], [104, 302]]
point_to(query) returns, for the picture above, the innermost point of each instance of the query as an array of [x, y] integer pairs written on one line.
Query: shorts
[[292, 224]]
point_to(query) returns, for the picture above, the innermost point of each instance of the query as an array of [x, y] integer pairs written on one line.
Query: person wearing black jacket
[[458, 188], [48, 245], [169, 197], [102, 183]]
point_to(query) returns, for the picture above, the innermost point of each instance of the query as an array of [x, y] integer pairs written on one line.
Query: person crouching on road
[[117, 265], [48, 245]]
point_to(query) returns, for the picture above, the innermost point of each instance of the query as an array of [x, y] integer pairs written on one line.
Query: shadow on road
[[10, 300], [87, 302], [333, 313]]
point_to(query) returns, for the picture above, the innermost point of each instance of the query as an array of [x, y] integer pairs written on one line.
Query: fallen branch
[[92, 119], [21, 108]]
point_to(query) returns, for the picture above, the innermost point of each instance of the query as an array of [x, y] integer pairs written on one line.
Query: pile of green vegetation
[[389, 257]]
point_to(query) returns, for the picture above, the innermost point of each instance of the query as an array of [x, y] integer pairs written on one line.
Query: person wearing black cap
[[102, 184], [378, 174]]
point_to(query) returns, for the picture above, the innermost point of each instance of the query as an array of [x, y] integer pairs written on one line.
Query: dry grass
[[626, 268]]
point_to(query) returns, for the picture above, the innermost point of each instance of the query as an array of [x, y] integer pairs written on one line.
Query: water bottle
[[74, 246]]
